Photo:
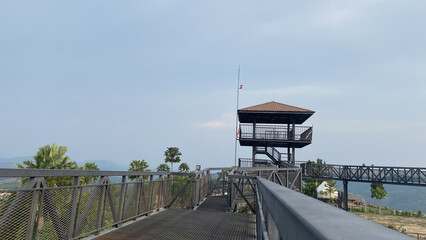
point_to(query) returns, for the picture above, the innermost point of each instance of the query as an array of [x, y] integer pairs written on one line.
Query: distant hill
[[8, 162], [108, 165], [103, 164], [406, 198]]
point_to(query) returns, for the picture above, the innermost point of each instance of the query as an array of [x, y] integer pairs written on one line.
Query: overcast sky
[[123, 80]]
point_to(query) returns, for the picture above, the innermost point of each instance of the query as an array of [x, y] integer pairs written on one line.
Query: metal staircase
[[276, 156]]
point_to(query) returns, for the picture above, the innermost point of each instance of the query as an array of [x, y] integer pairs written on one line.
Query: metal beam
[[13, 172], [380, 174]]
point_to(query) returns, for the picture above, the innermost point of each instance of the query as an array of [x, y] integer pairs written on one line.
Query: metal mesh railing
[[15, 212], [241, 184], [38, 211], [87, 212], [55, 217]]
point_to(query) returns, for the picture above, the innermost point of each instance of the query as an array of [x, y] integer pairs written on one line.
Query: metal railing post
[[169, 190], [194, 192], [33, 211], [138, 195], [200, 187], [121, 201], [223, 183], [101, 205], [229, 202], [151, 192], [206, 185], [74, 203], [160, 193]]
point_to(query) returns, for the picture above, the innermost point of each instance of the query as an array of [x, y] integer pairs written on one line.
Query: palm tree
[[51, 157], [89, 166], [138, 165], [163, 168], [172, 155], [183, 167]]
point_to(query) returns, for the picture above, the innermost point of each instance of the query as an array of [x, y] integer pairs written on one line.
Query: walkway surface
[[209, 221]]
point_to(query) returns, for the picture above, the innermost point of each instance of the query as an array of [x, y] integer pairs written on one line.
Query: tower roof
[[274, 113], [275, 107]]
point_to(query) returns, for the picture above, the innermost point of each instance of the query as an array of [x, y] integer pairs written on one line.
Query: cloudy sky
[[123, 80]]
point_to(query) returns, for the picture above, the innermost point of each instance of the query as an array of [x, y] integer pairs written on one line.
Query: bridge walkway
[[208, 221]]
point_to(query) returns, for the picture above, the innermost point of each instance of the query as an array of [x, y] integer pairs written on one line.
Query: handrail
[[276, 155], [248, 162], [275, 132], [18, 172], [297, 216]]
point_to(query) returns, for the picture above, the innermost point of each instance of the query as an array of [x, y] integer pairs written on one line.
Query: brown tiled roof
[[275, 107]]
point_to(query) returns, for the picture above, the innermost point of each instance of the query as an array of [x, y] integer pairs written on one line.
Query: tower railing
[[275, 132], [248, 162]]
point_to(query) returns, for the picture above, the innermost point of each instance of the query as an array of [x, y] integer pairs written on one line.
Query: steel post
[[138, 195], [151, 192], [194, 192], [33, 211], [121, 201], [101, 205], [74, 203], [345, 195], [160, 193]]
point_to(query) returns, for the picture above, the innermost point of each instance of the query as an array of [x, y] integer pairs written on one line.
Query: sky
[[124, 80]]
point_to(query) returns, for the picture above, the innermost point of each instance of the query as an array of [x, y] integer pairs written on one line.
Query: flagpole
[[236, 117]]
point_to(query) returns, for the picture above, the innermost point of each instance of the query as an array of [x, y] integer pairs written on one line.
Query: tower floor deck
[[209, 221]]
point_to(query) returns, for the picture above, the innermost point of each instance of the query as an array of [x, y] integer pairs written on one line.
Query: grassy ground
[[403, 221]]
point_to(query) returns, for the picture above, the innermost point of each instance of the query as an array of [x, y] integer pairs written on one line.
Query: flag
[[241, 86], [238, 133]]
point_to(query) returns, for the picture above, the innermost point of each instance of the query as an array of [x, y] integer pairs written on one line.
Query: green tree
[[183, 167], [89, 166], [51, 157], [329, 190], [172, 155], [310, 187], [163, 168], [378, 191], [139, 165]]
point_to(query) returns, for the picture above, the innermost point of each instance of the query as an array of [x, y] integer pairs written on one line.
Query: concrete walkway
[[209, 221]]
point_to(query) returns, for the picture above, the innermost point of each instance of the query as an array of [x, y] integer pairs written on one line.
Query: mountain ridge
[[105, 165]]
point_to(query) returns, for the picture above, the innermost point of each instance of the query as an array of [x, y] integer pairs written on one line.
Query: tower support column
[[288, 155], [253, 155], [345, 195], [254, 147]]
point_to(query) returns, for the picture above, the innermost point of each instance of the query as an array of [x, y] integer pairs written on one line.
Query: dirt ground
[[411, 224]]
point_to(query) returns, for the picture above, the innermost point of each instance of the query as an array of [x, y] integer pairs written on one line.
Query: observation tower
[[270, 126]]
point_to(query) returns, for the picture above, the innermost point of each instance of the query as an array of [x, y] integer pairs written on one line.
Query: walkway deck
[[209, 221]]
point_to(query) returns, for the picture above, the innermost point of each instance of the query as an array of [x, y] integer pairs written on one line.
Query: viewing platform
[[276, 135]]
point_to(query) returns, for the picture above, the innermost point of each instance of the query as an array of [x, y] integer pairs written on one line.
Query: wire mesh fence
[[15, 210], [241, 184], [39, 211]]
